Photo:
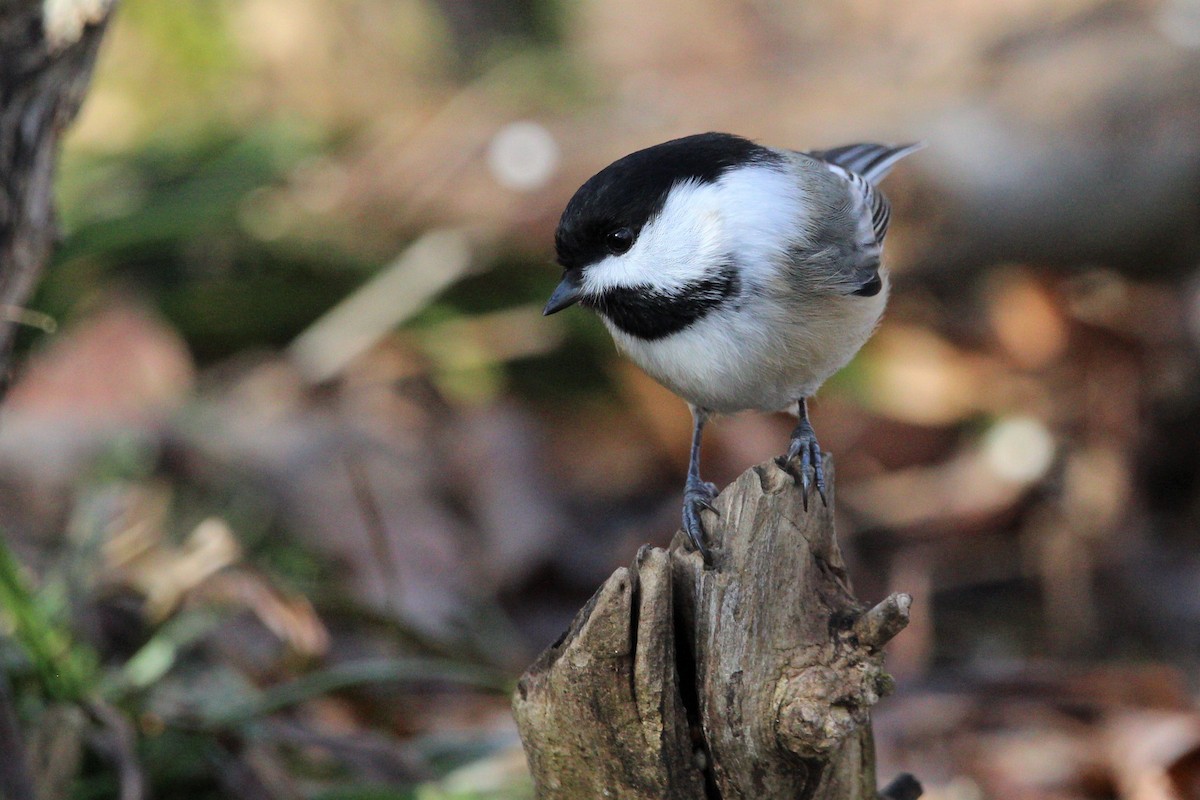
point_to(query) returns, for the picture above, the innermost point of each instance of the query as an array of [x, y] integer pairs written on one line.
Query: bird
[[737, 275]]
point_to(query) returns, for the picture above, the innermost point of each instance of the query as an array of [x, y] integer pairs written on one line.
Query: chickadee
[[739, 276]]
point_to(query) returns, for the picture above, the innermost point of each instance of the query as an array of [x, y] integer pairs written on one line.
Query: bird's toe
[[803, 461], [697, 498]]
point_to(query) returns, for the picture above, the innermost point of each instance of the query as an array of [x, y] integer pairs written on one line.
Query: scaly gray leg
[[697, 494]]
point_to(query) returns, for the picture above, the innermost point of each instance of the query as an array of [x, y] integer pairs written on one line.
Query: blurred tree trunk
[[752, 678], [47, 49]]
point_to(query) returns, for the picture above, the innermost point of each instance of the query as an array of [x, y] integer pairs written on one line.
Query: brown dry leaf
[[138, 555], [964, 488], [1049, 733], [605, 450], [362, 485], [121, 365], [1026, 319], [290, 616], [916, 376], [137, 525], [1154, 754], [1036, 760], [120, 370]]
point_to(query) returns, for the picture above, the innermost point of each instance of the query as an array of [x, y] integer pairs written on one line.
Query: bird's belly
[[734, 361]]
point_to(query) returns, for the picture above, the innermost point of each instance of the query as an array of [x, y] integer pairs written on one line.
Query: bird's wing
[[842, 248], [863, 165], [872, 161]]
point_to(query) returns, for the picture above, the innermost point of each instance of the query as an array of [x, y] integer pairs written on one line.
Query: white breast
[[764, 355], [765, 349]]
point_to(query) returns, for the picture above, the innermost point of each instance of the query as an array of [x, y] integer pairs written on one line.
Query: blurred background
[[295, 479]]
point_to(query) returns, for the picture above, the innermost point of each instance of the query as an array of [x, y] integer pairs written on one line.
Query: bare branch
[[880, 625]]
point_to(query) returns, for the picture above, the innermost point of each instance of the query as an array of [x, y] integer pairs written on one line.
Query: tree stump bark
[[751, 678]]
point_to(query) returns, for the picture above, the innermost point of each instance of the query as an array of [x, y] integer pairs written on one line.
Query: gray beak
[[567, 293]]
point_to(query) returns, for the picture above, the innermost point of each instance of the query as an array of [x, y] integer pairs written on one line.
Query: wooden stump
[[752, 678]]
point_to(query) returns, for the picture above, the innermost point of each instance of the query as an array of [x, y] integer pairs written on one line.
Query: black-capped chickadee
[[739, 276]]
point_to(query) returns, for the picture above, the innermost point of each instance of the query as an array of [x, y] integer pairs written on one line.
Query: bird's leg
[[804, 457], [697, 494]]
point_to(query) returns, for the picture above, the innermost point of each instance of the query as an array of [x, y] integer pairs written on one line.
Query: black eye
[[619, 240]]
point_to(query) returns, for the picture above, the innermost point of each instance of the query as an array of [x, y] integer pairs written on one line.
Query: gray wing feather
[[865, 164], [872, 161], [841, 254]]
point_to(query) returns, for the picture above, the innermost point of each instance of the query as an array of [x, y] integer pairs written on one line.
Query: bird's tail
[[872, 161]]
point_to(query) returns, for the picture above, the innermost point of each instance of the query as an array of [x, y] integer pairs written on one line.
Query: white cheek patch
[[678, 247], [755, 213], [764, 217]]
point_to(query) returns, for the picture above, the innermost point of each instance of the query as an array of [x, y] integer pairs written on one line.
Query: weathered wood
[[752, 678], [600, 711]]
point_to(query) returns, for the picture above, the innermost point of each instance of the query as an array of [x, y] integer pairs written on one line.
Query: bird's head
[[643, 237]]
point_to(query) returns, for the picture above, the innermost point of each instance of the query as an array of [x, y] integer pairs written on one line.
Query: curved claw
[[706, 505], [810, 471], [695, 530], [698, 497]]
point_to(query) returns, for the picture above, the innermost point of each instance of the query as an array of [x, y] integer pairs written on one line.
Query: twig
[[377, 530], [880, 625], [420, 273], [117, 740]]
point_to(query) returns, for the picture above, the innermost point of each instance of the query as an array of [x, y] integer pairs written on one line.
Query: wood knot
[[821, 705]]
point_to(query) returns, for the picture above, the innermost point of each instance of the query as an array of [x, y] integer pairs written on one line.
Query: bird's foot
[[698, 496], [803, 461]]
